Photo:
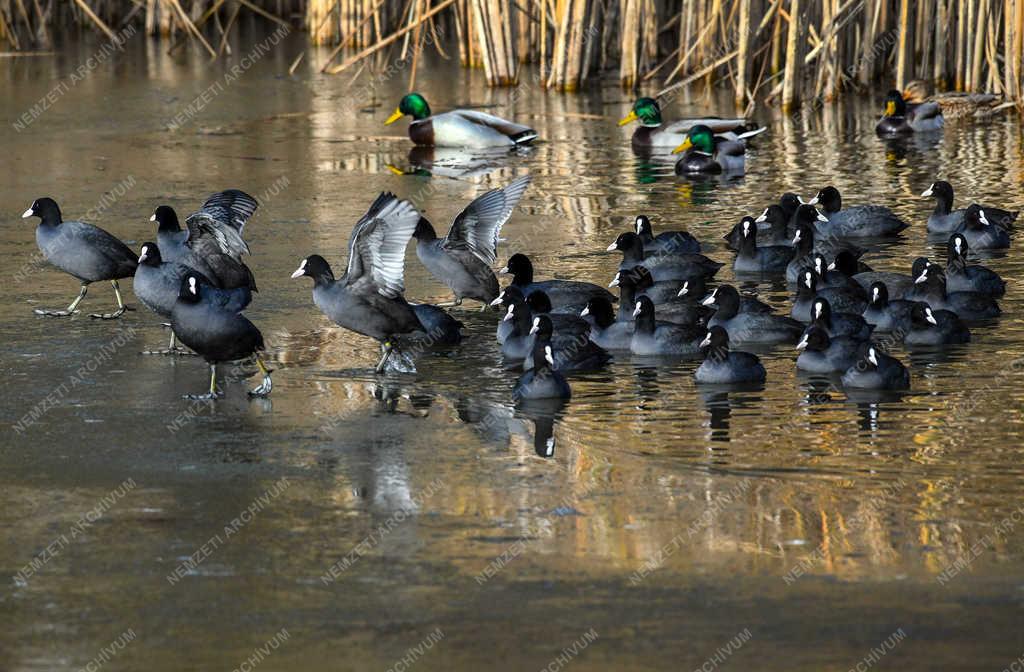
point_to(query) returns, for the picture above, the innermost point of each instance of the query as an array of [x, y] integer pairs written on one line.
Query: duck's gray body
[[440, 327], [85, 252], [893, 317], [541, 384], [616, 336]]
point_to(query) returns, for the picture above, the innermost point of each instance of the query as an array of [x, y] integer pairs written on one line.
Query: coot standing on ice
[[83, 251]]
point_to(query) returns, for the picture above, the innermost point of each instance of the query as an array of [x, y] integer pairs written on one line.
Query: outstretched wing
[[231, 206], [217, 225], [377, 246], [477, 227]]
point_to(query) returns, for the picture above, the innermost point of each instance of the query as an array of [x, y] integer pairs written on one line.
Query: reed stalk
[[784, 50]]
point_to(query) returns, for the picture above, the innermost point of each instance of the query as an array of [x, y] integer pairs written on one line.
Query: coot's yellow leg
[[70, 310]]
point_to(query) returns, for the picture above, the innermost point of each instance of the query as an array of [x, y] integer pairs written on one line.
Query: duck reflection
[[454, 162], [899, 148], [651, 168]]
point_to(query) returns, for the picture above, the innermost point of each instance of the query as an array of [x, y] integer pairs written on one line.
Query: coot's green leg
[[70, 310], [120, 306], [266, 386]]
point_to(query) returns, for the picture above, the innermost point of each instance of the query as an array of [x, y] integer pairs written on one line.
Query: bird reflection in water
[[870, 406], [454, 162], [498, 423], [544, 413], [721, 400]]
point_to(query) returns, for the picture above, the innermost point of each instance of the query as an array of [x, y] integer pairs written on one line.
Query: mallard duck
[[707, 153], [458, 128], [901, 118], [653, 133], [955, 105]]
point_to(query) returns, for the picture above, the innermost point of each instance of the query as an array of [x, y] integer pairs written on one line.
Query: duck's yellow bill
[[890, 108], [395, 116], [683, 147], [631, 117], [396, 171]]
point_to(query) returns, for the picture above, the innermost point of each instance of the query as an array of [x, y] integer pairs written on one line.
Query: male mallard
[[459, 128], [708, 153], [901, 117], [654, 134]]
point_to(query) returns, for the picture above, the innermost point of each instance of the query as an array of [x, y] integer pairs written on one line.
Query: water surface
[[371, 516]]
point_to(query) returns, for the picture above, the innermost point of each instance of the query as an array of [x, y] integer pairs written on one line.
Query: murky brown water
[[781, 529]]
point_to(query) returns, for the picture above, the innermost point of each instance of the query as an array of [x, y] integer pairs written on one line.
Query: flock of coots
[[196, 277]]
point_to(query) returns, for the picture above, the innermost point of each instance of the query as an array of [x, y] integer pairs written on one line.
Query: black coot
[[931, 288], [212, 245], [838, 324], [542, 381], [885, 314], [749, 327], [676, 311], [930, 326], [651, 337], [962, 277], [876, 370], [158, 283], [841, 299], [944, 219], [666, 242], [217, 335], [83, 251], [662, 266], [605, 330], [981, 233], [659, 292], [368, 299], [824, 354], [750, 258], [561, 292], [462, 259], [722, 366], [871, 221]]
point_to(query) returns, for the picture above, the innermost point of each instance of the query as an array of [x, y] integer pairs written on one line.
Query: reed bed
[[780, 51]]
